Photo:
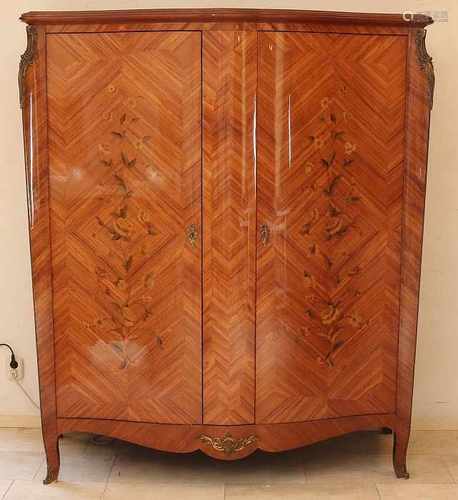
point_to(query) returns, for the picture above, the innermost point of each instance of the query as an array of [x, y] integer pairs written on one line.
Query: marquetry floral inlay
[[125, 279], [332, 163]]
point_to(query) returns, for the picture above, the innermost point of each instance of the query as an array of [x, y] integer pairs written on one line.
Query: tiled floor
[[354, 467]]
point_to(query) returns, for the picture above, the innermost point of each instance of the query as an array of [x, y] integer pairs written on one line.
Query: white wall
[[436, 389]]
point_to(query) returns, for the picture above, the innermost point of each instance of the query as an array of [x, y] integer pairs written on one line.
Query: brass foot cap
[[402, 474], [50, 478]]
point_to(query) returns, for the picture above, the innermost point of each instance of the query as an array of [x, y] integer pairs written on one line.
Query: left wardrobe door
[[124, 118]]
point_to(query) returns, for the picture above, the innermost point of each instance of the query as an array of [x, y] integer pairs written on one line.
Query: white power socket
[[17, 373]]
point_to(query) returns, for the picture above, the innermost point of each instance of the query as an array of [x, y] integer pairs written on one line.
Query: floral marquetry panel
[[331, 111], [125, 170]]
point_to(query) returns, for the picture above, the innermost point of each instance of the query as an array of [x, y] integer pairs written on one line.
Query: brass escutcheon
[[264, 233], [192, 234]]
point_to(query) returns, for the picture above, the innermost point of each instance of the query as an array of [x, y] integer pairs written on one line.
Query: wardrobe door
[[125, 207], [329, 192], [229, 90]]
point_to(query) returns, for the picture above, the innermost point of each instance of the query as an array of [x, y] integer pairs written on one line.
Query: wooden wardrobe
[[226, 216]]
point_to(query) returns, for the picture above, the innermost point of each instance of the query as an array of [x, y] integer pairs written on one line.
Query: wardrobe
[[226, 215]]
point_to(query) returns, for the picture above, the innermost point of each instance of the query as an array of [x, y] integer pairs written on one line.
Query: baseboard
[[435, 425], [27, 421]]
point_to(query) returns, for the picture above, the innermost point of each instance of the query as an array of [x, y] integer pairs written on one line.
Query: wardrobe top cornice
[[222, 15]]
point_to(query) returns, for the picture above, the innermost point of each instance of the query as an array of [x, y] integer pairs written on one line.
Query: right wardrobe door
[[330, 158]]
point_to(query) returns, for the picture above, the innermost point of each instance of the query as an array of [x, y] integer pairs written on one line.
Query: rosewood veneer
[[226, 216]]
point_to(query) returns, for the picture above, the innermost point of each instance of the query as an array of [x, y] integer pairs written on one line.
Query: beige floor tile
[[372, 443], [451, 462], [73, 445], [264, 468], [124, 447], [434, 443], [302, 492], [71, 449], [408, 491], [163, 492], [21, 440], [104, 447], [33, 490], [143, 466], [4, 486], [146, 466], [86, 468], [344, 468], [374, 468], [19, 464]]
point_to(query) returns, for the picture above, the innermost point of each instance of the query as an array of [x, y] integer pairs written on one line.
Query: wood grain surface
[[269, 25], [330, 176], [229, 61], [266, 437], [222, 15], [35, 126], [125, 170], [420, 74], [318, 202]]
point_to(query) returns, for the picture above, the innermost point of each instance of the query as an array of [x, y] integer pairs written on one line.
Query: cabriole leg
[[52, 457], [400, 443]]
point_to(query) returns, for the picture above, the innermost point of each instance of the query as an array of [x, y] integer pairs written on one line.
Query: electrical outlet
[[17, 373]]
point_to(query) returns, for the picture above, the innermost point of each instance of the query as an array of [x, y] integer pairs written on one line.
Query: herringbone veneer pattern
[[230, 76], [330, 168], [125, 168]]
